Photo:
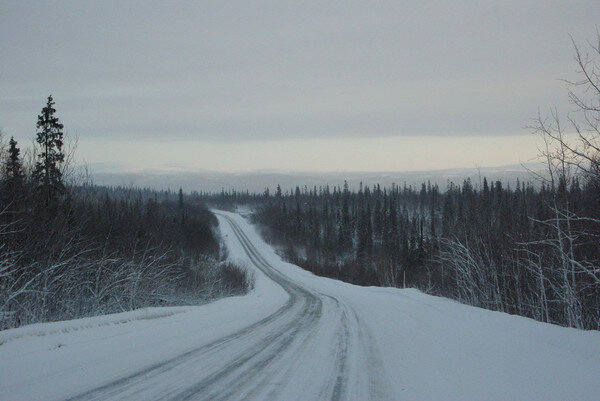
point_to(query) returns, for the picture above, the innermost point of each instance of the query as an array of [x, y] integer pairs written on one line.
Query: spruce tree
[[181, 207], [14, 176], [14, 166], [47, 171], [345, 234]]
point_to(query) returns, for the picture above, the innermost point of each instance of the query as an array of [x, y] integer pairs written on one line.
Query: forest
[[72, 249], [520, 249]]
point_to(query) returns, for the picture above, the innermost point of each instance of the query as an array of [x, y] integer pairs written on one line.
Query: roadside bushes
[[78, 286], [109, 250]]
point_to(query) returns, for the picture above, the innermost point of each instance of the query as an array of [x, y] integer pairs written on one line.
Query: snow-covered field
[[298, 336]]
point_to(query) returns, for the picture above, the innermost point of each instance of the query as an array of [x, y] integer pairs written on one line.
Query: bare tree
[[572, 152]]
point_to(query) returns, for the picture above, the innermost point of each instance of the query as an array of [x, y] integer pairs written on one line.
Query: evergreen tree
[[181, 206], [345, 233], [14, 172], [47, 171]]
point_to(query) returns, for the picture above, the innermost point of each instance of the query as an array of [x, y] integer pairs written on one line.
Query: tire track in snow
[[118, 386], [304, 322]]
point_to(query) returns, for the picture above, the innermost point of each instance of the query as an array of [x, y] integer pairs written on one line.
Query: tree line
[[489, 245]]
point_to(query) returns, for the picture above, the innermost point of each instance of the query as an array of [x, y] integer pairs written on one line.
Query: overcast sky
[[321, 86]]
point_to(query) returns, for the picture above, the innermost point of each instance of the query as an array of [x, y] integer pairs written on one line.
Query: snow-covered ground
[[298, 336]]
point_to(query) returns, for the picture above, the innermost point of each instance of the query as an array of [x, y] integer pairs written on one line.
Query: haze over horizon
[[291, 86]]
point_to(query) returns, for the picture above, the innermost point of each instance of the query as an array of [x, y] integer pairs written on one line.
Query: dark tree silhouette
[[14, 173], [47, 173]]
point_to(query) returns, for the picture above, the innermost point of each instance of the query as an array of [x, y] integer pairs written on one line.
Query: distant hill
[[257, 181]]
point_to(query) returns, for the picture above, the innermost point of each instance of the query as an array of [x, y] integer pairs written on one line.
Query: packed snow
[[298, 336]]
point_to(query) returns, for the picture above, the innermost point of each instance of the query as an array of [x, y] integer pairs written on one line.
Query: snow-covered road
[[302, 337]]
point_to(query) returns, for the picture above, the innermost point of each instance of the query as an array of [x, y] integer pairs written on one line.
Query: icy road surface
[[300, 337]]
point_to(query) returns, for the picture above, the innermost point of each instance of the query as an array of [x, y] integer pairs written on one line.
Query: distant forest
[[487, 245], [532, 250]]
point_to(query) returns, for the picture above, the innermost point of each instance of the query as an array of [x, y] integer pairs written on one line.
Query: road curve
[[313, 347]]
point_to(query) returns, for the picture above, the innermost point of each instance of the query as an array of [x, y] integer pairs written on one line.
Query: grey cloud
[[271, 69]]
